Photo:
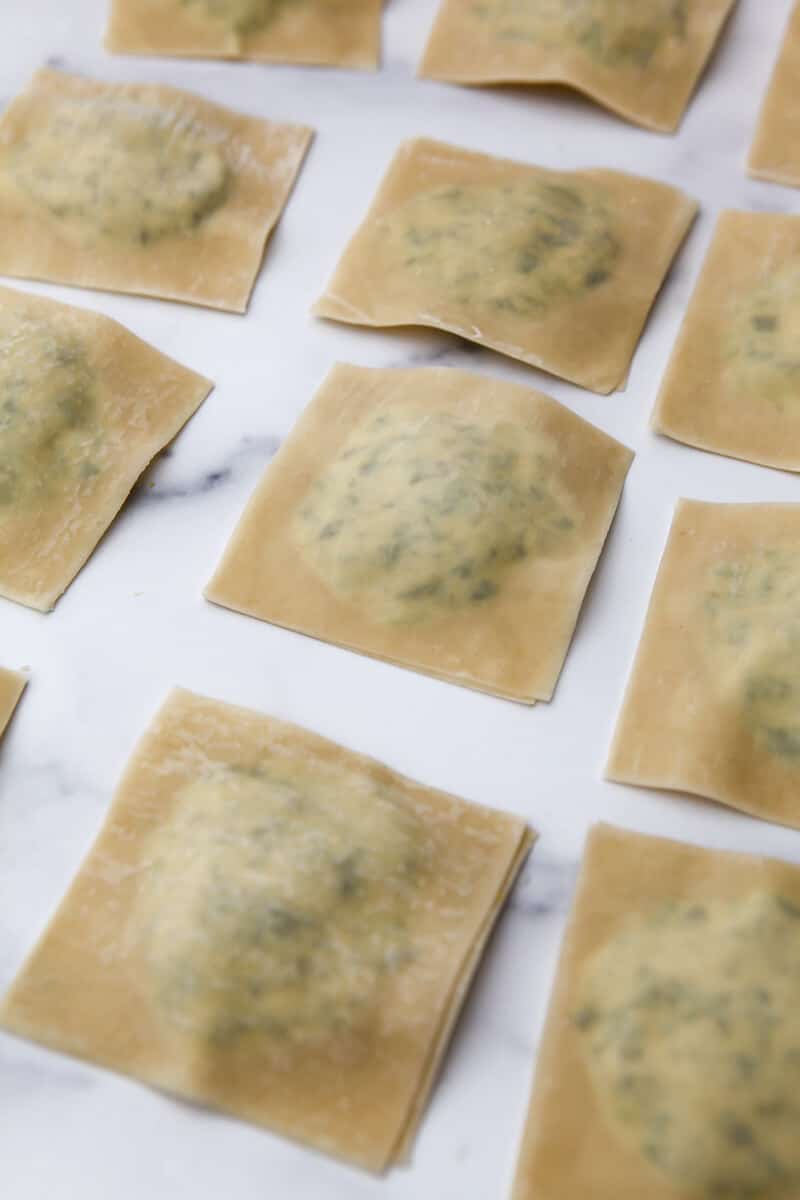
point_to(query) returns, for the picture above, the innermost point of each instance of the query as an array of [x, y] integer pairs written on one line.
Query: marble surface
[[134, 622]]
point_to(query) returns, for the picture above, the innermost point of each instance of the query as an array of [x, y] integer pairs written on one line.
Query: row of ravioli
[[281, 929], [153, 191], [642, 61], [427, 575]]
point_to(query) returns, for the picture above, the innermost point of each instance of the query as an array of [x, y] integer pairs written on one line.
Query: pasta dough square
[[434, 519], [12, 685], [640, 58], [713, 703], [733, 385], [342, 33], [140, 188], [84, 407], [273, 926], [670, 1056], [775, 153], [556, 268]]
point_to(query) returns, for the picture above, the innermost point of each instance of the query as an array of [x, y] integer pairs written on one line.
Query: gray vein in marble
[[150, 492], [544, 888]]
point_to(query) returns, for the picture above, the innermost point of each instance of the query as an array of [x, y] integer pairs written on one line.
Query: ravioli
[[273, 926], [139, 188], [439, 520], [556, 268], [641, 60], [84, 407], [733, 384], [336, 33], [713, 704], [671, 1053], [774, 154]]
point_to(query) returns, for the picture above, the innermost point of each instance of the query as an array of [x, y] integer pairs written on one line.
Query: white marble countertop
[[134, 622]]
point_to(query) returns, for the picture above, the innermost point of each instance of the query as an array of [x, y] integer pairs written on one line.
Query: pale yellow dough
[[12, 685], [713, 703], [775, 153], [341, 33], [733, 385], [274, 926], [558, 269], [140, 188], [84, 407], [671, 1054], [640, 58], [439, 520]]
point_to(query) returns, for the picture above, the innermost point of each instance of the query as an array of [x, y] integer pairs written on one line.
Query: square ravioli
[[273, 926], [12, 685], [640, 58], [733, 385], [670, 1058], [432, 518], [775, 153], [140, 188], [556, 268], [84, 407], [713, 702], [342, 33]]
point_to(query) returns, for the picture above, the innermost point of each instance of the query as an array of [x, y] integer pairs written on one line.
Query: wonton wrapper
[[432, 518], [670, 1059], [84, 407], [640, 58], [775, 153], [274, 926], [733, 385], [140, 188], [713, 703], [343, 33], [558, 269], [12, 685]]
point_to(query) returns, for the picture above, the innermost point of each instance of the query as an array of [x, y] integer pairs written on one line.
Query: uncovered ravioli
[[432, 518], [12, 685], [775, 153], [84, 407], [558, 269], [671, 1055], [274, 926], [140, 188], [343, 33], [713, 703], [733, 385], [640, 58]]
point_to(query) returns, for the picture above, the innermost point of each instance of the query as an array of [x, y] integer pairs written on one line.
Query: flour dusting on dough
[[121, 168], [276, 900]]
